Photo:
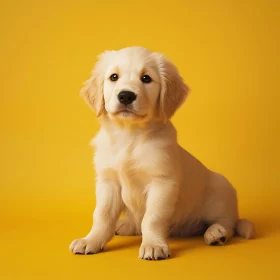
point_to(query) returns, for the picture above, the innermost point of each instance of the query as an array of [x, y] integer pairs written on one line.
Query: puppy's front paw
[[154, 251], [86, 246], [216, 235]]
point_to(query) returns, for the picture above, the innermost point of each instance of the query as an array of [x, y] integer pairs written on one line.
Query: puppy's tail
[[245, 229]]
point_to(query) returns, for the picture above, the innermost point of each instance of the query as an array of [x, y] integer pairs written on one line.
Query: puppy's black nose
[[126, 97]]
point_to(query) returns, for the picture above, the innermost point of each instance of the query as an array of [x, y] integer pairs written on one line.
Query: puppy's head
[[135, 85]]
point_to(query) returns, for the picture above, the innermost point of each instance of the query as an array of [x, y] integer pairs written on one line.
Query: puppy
[[142, 170]]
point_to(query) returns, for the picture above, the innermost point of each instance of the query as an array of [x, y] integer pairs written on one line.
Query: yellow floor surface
[[39, 250]]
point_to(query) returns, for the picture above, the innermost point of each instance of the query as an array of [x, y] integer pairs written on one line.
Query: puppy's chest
[[130, 163], [130, 160], [123, 154], [131, 168]]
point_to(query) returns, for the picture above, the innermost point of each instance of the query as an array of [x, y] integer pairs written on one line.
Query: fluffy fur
[[141, 169]]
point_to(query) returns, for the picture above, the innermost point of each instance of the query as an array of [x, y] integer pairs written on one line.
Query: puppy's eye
[[114, 77], [146, 79]]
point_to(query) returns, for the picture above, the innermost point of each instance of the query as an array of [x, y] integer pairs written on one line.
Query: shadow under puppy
[[141, 169]]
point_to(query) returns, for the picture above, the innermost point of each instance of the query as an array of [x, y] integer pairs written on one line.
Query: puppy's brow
[[114, 70], [145, 71]]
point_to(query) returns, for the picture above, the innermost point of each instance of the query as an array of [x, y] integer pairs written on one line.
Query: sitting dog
[[142, 170]]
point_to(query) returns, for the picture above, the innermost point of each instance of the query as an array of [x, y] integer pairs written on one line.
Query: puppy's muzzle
[[126, 97]]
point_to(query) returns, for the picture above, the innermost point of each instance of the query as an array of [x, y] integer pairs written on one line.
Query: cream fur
[[142, 170]]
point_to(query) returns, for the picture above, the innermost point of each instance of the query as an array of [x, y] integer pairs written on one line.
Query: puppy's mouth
[[126, 112]]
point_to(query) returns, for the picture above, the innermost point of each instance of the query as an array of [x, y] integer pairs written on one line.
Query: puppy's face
[[131, 85], [134, 85]]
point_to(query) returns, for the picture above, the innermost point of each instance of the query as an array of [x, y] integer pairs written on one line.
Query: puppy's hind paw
[[216, 235]]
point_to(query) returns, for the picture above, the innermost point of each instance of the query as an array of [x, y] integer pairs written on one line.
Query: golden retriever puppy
[[142, 170]]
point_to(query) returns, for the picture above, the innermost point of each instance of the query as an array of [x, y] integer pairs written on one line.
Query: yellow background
[[228, 53]]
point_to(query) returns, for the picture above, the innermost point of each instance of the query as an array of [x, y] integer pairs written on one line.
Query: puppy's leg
[[220, 211], [106, 213], [162, 196]]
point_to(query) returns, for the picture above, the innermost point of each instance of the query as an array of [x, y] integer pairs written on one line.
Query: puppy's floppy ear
[[173, 89], [93, 89]]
